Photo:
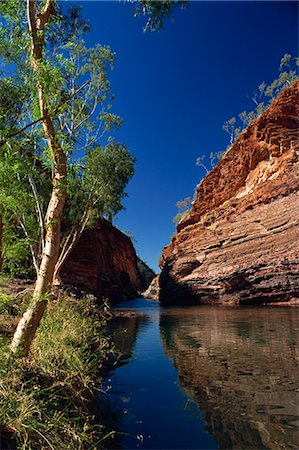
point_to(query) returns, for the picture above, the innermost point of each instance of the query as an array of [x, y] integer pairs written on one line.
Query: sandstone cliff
[[104, 263], [240, 244]]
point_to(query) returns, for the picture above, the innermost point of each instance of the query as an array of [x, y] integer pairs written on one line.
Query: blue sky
[[175, 88]]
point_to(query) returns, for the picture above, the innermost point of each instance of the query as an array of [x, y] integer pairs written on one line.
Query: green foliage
[[16, 255], [12, 97], [213, 159], [246, 117], [77, 93], [46, 399], [107, 172], [85, 97], [21, 231], [184, 207], [157, 11], [263, 96], [229, 127], [6, 303], [96, 185]]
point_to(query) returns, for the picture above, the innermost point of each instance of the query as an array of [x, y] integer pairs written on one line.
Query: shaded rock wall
[[240, 244], [145, 272], [104, 263]]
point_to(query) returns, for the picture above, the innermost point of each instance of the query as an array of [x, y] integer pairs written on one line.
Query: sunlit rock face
[[240, 244], [104, 263], [152, 292], [241, 369]]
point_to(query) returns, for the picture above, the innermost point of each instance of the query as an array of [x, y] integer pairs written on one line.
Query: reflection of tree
[[240, 367], [124, 330]]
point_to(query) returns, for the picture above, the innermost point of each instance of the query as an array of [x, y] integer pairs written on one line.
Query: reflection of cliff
[[241, 369]]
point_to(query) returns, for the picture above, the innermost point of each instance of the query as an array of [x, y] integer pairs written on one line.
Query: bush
[[47, 400]]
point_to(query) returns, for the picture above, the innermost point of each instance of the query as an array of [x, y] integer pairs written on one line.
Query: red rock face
[[104, 263], [240, 244]]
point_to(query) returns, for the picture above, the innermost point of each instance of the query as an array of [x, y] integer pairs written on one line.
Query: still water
[[205, 378]]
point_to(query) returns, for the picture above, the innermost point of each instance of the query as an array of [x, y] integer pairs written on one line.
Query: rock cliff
[[240, 244], [104, 263]]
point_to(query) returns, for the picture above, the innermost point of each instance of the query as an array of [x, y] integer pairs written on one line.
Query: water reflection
[[240, 366]]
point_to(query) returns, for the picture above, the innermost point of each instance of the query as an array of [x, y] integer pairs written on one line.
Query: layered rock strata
[[104, 263], [240, 244]]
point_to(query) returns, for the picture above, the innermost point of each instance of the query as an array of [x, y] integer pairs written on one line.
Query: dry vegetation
[[47, 400]]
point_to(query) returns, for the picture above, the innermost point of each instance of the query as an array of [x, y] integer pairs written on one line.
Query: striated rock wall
[[240, 244], [104, 263]]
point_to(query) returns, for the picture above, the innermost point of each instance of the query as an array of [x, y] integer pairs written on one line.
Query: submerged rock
[[240, 244]]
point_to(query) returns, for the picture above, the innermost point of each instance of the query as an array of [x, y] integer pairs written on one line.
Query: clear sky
[[175, 88]]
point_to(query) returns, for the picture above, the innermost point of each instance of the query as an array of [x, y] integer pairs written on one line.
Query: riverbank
[[47, 400]]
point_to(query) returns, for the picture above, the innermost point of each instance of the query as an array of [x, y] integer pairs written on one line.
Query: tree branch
[[44, 15], [39, 210], [30, 245], [55, 110]]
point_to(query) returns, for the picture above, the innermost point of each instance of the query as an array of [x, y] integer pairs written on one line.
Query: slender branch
[[44, 15], [30, 245], [3, 141], [83, 104], [71, 241], [89, 143], [39, 210], [88, 116]]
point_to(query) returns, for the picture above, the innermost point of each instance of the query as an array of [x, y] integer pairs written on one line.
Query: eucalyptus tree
[[40, 43], [38, 49]]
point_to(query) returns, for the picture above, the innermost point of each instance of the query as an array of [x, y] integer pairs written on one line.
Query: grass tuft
[[47, 400]]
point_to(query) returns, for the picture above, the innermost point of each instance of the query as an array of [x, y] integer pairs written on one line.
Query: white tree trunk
[[28, 324]]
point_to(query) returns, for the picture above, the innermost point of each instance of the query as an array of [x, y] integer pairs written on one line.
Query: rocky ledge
[[104, 263], [240, 244]]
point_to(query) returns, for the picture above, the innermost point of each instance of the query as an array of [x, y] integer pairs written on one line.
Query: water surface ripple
[[205, 377]]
